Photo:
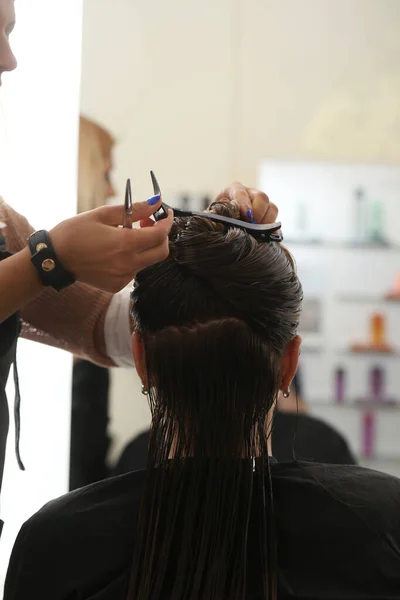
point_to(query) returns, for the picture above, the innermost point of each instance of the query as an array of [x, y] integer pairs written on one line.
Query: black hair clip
[[262, 233]]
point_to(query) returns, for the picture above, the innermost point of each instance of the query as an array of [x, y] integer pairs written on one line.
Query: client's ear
[[290, 361], [138, 356]]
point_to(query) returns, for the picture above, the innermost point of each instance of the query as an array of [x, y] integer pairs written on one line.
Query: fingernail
[[153, 200], [250, 215]]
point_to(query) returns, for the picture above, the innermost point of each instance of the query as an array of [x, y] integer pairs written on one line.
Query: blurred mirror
[[298, 99]]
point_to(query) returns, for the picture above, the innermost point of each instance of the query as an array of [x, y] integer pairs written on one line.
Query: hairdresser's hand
[[100, 253], [254, 205]]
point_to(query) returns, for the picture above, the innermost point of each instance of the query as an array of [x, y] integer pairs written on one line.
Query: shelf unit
[[340, 302], [342, 245], [368, 300], [320, 217], [355, 406], [350, 353]]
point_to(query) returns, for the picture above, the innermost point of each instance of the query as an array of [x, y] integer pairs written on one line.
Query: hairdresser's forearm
[[19, 283]]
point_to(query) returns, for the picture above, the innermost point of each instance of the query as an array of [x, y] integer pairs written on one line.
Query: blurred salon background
[[299, 98]]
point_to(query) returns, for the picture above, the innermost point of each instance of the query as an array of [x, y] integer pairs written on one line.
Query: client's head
[[215, 342], [216, 336]]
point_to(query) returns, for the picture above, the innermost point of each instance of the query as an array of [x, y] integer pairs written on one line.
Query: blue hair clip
[[262, 233]]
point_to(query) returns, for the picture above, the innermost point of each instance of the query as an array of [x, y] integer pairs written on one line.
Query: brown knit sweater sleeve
[[72, 319]]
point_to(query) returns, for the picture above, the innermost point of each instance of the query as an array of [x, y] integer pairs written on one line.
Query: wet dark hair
[[215, 318]]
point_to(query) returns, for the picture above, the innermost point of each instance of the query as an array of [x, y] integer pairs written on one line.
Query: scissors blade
[[156, 187], [162, 212], [128, 205]]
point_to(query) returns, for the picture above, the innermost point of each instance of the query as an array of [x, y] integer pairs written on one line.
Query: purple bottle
[[377, 385], [368, 434], [340, 381]]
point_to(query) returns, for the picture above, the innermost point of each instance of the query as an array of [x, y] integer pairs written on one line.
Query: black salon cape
[[338, 535], [9, 331], [89, 423], [308, 438]]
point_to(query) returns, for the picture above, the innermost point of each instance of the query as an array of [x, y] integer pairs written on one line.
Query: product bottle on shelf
[[378, 336], [397, 286], [377, 385], [185, 202], [368, 434], [340, 382], [394, 294], [360, 214], [378, 340], [376, 233], [205, 202], [302, 221]]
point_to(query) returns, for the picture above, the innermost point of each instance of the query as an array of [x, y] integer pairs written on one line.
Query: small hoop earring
[[286, 393], [144, 391]]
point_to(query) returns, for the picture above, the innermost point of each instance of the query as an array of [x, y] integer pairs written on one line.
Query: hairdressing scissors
[[128, 206], [262, 233]]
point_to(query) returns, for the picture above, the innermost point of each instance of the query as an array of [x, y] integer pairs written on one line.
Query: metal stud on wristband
[[50, 269]]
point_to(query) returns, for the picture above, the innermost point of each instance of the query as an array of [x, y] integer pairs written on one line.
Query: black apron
[[9, 331]]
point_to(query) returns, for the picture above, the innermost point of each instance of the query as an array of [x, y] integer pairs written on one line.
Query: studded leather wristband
[[50, 269]]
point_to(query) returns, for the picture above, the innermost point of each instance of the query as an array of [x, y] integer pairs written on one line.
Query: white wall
[[38, 141], [203, 91], [319, 79]]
